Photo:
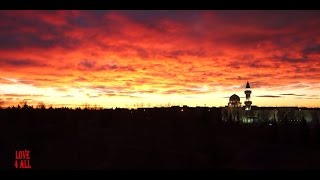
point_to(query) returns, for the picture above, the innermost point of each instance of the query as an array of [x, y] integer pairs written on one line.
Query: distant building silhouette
[[269, 115], [234, 100], [236, 112]]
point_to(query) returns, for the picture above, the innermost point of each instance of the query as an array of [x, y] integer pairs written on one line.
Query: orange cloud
[[150, 54]]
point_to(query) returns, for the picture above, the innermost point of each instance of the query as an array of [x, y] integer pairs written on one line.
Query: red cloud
[[160, 52]]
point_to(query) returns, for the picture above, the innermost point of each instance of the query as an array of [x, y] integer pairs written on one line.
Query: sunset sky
[[194, 58]]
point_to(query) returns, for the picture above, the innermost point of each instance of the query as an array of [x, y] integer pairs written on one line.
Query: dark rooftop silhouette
[[234, 97]]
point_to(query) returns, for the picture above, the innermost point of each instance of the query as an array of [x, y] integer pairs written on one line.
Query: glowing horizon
[[194, 58]]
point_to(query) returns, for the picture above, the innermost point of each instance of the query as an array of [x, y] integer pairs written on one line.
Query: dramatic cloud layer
[[121, 58]]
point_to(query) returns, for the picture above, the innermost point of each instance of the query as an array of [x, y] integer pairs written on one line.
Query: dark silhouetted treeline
[[152, 138]]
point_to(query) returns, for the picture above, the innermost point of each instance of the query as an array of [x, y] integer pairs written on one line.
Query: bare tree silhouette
[[24, 104], [86, 106], [41, 105], [265, 115], [168, 104]]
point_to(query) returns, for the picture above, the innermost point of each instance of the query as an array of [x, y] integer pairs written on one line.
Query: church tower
[[248, 102]]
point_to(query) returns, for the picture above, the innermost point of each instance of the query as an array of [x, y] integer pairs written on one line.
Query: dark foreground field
[[121, 139]]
